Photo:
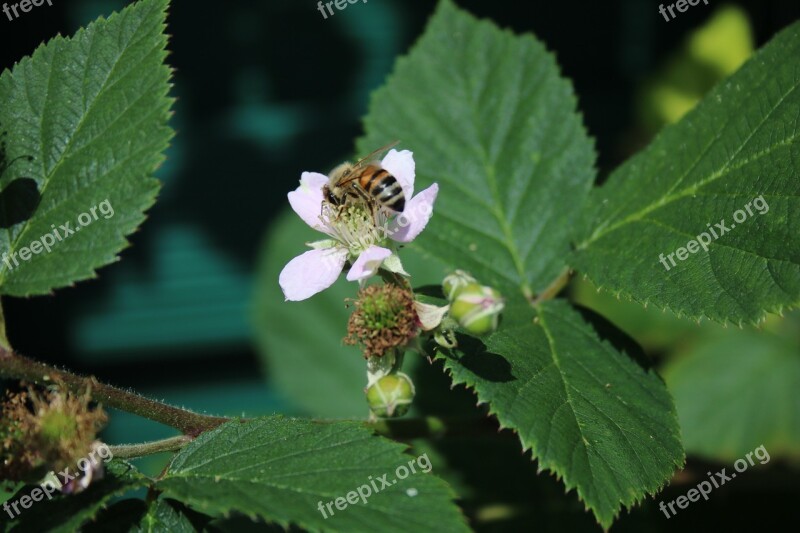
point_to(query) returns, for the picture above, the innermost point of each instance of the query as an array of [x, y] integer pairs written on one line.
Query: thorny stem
[[15, 366], [555, 287], [131, 451]]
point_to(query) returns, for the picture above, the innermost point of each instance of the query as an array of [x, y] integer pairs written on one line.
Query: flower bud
[[477, 309], [456, 281], [391, 396]]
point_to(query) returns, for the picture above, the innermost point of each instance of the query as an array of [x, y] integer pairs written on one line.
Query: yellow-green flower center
[[355, 225]]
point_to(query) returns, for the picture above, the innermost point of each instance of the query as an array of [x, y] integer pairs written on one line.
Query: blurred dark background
[[267, 89]]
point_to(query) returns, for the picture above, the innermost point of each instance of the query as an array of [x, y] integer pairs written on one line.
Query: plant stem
[[555, 287], [15, 366], [131, 451]]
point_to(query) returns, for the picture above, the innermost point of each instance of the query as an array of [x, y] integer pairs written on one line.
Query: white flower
[[353, 233]]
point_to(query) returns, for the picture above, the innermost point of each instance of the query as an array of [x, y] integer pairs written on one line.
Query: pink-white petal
[[312, 272], [368, 263], [416, 215], [306, 200], [401, 165]]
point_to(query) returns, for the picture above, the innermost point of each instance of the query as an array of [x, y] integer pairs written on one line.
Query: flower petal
[[416, 215], [430, 316], [312, 272], [306, 200], [368, 263], [402, 166]]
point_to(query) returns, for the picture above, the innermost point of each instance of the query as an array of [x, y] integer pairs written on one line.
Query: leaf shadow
[[18, 202], [476, 358], [434, 291], [20, 198], [620, 340]]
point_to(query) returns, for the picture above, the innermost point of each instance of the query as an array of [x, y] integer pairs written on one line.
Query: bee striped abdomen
[[384, 188]]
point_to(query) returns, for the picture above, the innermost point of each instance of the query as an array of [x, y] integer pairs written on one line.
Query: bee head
[[335, 192]]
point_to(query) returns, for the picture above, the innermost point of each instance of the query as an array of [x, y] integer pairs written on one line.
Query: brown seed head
[[46, 430], [384, 319]]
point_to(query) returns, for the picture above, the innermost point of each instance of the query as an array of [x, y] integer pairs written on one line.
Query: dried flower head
[[46, 430], [384, 319]]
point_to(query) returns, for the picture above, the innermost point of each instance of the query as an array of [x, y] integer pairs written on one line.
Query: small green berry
[[453, 283], [391, 396], [477, 309]]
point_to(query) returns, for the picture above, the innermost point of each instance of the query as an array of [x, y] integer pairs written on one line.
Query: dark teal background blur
[[267, 89]]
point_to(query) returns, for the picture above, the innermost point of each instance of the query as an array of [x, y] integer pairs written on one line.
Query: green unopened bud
[[456, 281], [477, 309], [391, 396]]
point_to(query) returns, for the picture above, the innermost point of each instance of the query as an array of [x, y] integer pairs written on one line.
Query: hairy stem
[[131, 451], [15, 366]]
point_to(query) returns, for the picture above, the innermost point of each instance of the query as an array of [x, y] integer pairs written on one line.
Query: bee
[[365, 180]]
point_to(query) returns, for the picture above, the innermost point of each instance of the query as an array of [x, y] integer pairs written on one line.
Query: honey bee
[[365, 180]]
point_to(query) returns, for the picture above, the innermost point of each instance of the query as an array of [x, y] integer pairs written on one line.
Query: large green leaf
[[739, 144], [301, 341], [91, 112], [736, 391], [66, 513], [489, 118], [282, 470], [589, 413]]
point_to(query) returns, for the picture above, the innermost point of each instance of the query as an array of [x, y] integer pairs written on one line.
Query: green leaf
[[91, 112], [301, 341], [740, 143], [589, 413], [736, 391], [489, 118], [66, 513], [163, 518], [282, 469]]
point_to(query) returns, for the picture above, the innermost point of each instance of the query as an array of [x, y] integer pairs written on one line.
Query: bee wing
[[366, 161], [376, 153]]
